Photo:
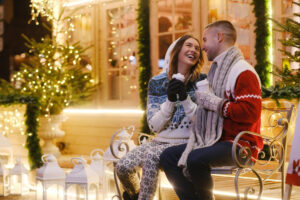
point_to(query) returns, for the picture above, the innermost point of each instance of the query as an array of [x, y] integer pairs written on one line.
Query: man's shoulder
[[239, 68]]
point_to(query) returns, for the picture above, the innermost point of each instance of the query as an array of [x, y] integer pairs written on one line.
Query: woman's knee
[[123, 167]]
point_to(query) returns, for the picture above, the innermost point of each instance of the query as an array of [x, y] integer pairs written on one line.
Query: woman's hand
[[176, 87]]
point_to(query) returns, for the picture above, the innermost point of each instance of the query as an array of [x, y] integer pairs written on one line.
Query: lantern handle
[[131, 130], [95, 151], [73, 160], [45, 156]]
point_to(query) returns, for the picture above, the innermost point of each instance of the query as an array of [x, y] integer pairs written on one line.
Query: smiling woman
[[170, 109]]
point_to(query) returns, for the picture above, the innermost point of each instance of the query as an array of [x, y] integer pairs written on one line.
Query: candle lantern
[[82, 182], [18, 178], [50, 179], [4, 180], [97, 164]]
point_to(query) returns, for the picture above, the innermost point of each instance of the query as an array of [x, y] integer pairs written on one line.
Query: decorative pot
[[50, 129], [283, 103]]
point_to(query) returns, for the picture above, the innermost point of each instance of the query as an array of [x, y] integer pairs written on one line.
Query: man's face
[[210, 43]]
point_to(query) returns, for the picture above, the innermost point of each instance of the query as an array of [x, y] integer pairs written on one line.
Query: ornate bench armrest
[[275, 148], [144, 137], [120, 142]]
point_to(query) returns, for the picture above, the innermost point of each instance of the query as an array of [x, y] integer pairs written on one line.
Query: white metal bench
[[272, 157]]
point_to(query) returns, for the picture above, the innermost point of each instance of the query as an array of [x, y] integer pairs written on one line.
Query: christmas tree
[[289, 86], [55, 72]]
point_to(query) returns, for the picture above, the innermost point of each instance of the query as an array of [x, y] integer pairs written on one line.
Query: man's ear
[[220, 37]]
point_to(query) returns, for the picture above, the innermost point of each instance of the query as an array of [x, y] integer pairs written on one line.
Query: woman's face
[[189, 53]]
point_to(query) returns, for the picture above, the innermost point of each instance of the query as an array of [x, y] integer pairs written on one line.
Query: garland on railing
[[144, 57], [31, 116], [263, 41]]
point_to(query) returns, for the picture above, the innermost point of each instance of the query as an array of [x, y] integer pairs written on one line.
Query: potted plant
[[286, 90], [58, 74]]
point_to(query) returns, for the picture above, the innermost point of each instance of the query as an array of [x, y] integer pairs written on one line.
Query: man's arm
[[246, 104]]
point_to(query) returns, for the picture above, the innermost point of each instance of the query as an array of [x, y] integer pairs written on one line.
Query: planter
[[49, 130], [265, 116]]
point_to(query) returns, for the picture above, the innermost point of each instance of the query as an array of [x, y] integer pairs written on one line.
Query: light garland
[[54, 72], [42, 8], [11, 120]]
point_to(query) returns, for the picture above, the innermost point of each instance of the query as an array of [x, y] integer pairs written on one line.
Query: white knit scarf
[[208, 125]]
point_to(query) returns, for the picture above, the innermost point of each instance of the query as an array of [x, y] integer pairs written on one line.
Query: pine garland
[[289, 86], [31, 116], [144, 57], [262, 30]]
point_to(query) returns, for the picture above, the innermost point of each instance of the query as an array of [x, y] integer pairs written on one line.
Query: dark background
[[16, 21]]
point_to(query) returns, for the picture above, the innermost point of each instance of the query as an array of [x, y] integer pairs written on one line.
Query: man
[[232, 105]]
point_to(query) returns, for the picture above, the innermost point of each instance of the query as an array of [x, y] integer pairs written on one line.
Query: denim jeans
[[199, 164]]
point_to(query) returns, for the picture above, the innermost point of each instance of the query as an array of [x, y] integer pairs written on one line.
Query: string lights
[[54, 69], [43, 8], [121, 45], [12, 120]]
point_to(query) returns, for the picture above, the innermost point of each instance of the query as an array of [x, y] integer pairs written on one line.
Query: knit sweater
[[242, 111], [171, 121]]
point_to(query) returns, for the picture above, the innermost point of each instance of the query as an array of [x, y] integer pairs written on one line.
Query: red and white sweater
[[242, 111]]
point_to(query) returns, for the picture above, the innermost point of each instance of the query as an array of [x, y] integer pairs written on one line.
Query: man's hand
[[209, 101]]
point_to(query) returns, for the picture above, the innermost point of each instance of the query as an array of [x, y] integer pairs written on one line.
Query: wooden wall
[[85, 132]]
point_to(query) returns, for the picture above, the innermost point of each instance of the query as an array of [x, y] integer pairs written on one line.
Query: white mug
[[203, 86]]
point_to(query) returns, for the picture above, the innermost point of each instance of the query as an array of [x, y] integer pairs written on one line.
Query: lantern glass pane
[[19, 184], [93, 191], [76, 192], [39, 190], [16, 184], [55, 191]]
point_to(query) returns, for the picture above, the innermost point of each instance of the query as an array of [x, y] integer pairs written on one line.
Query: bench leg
[[288, 191], [249, 189], [119, 195]]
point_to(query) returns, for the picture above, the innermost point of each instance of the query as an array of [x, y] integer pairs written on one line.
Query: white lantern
[[4, 180], [97, 164], [18, 178], [82, 182], [50, 179]]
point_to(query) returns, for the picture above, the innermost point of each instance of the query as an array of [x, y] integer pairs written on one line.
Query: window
[[119, 67], [170, 19]]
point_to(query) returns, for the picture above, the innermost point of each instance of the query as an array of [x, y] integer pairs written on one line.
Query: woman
[[170, 109]]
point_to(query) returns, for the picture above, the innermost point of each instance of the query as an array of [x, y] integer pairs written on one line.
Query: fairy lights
[[12, 120], [42, 8], [121, 42], [54, 70]]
